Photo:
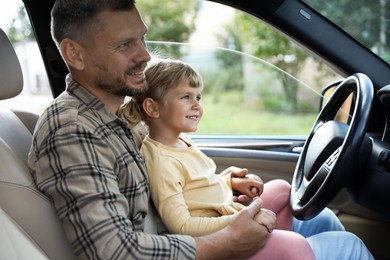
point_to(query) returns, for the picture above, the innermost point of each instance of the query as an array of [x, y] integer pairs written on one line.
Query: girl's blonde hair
[[161, 75]]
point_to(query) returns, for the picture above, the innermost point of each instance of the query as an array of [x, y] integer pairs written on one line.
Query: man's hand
[[242, 238], [267, 218]]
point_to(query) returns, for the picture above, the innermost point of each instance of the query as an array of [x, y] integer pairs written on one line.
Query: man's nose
[[143, 54]]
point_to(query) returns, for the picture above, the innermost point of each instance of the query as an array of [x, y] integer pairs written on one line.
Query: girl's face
[[180, 110]]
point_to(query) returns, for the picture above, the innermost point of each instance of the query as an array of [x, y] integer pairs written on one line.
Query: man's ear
[[151, 108], [71, 52]]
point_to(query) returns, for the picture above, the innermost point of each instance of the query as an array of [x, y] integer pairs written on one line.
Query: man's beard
[[119, 87]]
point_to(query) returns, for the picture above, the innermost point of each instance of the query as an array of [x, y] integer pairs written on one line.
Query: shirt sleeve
[[227, 179], [166, 182], [79, 172]]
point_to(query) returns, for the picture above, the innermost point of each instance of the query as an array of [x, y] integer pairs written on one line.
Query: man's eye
[[124, 46]]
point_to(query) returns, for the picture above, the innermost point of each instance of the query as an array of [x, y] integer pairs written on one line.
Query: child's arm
[[233, 170]]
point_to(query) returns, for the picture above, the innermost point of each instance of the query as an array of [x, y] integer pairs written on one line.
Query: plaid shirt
[[86, 160]]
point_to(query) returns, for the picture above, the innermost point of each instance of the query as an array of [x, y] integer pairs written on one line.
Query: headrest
[[11, 77]]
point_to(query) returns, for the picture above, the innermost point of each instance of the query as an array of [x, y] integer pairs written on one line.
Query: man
[[86, 159]]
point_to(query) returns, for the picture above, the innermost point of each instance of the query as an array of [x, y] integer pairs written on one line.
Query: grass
[[230, 116]]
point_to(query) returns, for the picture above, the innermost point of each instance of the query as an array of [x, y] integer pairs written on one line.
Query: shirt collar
[[88, 99]]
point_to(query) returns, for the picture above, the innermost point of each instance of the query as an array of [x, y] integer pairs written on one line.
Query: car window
[[36, 93], [257, 82], [246, 95], [365, 20]]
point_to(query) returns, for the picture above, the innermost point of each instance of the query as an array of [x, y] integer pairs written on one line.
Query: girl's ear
[[71, 52], [151, 108]]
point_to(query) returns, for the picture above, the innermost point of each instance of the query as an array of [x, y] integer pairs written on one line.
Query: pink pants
[[275, 197], [282, 243], [285, 245]]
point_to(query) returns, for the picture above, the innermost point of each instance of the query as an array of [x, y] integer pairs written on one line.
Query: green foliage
[[361, 21], [369, 24], [20, 28], [170, 21], [232, 70], [245, 34], [261, 41]]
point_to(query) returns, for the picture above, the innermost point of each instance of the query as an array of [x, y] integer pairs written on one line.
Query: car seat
[[29, 227]]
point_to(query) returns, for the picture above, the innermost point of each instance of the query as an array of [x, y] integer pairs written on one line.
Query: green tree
[[20, 27], [368, 24], [170, 21], [231, 61], [364, 17], [259, 40]]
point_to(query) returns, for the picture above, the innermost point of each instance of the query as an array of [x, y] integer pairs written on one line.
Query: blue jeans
[[329, 240]]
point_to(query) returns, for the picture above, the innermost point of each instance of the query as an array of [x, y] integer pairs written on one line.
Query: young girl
[[190, 198]]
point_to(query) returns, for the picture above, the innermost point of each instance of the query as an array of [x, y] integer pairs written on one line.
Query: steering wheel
[[329, 156]]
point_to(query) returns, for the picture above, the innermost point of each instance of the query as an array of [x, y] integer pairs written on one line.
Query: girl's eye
[[186, 97], [198, 98]]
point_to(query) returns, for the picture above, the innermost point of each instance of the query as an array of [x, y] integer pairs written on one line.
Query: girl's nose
[[196, 105]]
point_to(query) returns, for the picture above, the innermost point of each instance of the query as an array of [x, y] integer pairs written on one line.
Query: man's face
[[116, 60]]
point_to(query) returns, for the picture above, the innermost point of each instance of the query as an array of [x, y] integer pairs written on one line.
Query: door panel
[[267, 165]]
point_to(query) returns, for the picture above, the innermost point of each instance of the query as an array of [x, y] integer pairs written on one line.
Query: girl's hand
[[250, 185]]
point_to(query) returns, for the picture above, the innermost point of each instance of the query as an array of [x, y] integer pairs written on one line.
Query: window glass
[[257, 82], [36, 93], [365, 20]]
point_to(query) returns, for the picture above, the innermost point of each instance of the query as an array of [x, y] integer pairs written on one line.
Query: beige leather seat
[[29, 227]]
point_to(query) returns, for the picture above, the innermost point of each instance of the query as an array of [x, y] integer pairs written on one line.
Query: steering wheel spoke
[[308, 188]]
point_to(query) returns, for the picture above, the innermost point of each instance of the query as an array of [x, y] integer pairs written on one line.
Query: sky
[[8, 9], [210, 13]]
